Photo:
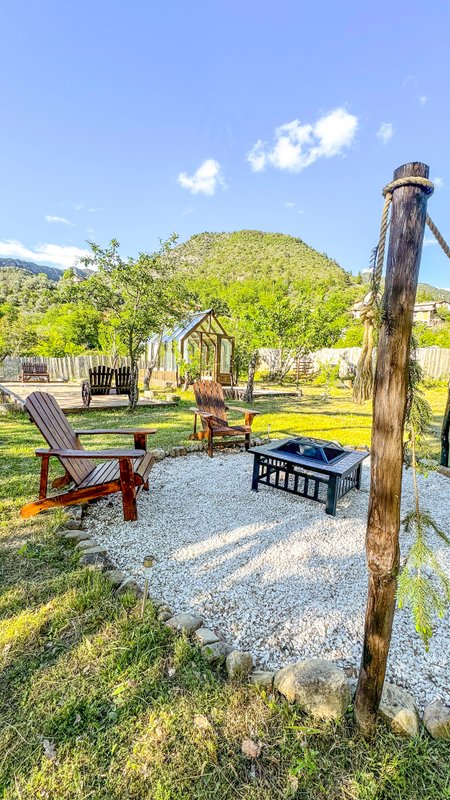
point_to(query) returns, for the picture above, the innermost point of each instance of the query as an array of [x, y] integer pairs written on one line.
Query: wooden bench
[[34, 371], [121, 470], [101, 382]]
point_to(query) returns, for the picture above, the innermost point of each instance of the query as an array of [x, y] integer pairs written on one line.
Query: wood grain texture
[[409, 205]]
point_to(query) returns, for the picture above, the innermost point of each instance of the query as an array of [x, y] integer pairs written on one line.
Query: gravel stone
[[317, 686], [275, 574], [436, 719], [398, 709], [187, 623]]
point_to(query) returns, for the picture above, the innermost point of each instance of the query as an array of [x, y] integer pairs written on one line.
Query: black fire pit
[[313, 468]]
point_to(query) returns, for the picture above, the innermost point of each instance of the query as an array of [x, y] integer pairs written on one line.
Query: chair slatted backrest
[[100, 379], [123, 378], [40, 369], [209, 397], [49, 418]]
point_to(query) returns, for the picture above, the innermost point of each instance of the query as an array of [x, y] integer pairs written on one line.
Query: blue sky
[[136, 119]]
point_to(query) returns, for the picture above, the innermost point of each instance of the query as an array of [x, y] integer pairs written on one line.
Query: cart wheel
[[86, 393]]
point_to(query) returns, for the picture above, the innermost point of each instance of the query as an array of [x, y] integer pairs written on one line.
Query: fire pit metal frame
[[304, 476]]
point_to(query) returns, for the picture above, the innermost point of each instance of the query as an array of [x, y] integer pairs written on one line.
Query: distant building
[[423, 312], [428, 312]]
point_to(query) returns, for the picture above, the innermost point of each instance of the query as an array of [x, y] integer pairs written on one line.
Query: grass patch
[[89, 704]]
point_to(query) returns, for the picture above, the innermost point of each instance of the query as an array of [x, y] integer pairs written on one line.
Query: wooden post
[[409, 205]]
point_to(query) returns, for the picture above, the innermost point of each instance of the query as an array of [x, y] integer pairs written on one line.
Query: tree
[[138, 297], [69, 329], [17, 335]]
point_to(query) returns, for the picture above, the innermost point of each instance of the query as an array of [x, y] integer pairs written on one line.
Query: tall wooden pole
[[408, 212], [445, 432]]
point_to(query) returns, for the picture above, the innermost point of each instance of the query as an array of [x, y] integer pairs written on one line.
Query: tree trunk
[[445, 431], [134, 388], [248, 397], [148, 376], [409, 206]]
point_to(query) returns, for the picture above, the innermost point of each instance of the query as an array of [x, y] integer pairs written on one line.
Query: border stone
[[263, 679], [115, 576], [205, 636], [317, 686], [238, 664], [436, 719], [216, 652], [130, 585], [398, 710], [185, 623], [75, 536]]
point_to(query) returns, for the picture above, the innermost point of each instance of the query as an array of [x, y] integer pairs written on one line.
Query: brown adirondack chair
[[212, 411], [121, 470]]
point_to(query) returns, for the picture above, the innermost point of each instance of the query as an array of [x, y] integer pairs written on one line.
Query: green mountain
[[425, 292], [52, 273], [255, 254]]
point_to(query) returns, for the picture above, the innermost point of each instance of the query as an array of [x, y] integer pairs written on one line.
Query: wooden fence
[[69, 368], [435, 362]]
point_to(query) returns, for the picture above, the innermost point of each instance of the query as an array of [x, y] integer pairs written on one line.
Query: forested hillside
[[255, 254], [273, 290]]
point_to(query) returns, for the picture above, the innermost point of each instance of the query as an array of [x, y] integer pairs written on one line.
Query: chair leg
[[128, 490], [247, 441], [210, 442]]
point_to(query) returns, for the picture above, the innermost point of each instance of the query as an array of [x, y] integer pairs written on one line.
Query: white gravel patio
[[272, 572]]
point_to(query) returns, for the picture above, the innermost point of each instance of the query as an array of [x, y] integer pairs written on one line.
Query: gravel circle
[[272, 573]]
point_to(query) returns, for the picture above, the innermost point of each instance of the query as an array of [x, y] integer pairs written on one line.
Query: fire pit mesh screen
[[315, 449]]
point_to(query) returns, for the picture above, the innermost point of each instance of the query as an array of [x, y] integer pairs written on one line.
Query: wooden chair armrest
[[244, 410], [102, 454], [204, 414], [102, 431]]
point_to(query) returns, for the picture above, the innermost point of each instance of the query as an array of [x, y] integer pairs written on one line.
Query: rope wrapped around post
[[363, 385]]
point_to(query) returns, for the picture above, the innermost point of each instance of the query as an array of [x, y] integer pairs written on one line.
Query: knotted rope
[[364, 374]]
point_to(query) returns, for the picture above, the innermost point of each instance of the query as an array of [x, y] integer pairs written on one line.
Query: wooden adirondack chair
[[212, 411], [121, 470]]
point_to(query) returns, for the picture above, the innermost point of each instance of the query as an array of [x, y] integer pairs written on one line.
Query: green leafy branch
[[423, 585]]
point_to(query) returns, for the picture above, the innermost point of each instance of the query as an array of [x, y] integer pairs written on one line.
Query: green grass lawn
[[89, 707]]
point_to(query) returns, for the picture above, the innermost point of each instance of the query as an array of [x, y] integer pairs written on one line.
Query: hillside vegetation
[[257, 255]]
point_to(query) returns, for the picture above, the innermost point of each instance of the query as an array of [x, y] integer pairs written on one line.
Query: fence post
[[409, 205]]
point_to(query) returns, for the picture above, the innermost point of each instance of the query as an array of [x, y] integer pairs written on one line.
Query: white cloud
[[294, 207], [60, 255], [63, 220], [429, 240], [79, 206], [385, 132], [423, 99], [187, 211], [297, 146], [207, 178], [438, 183]]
